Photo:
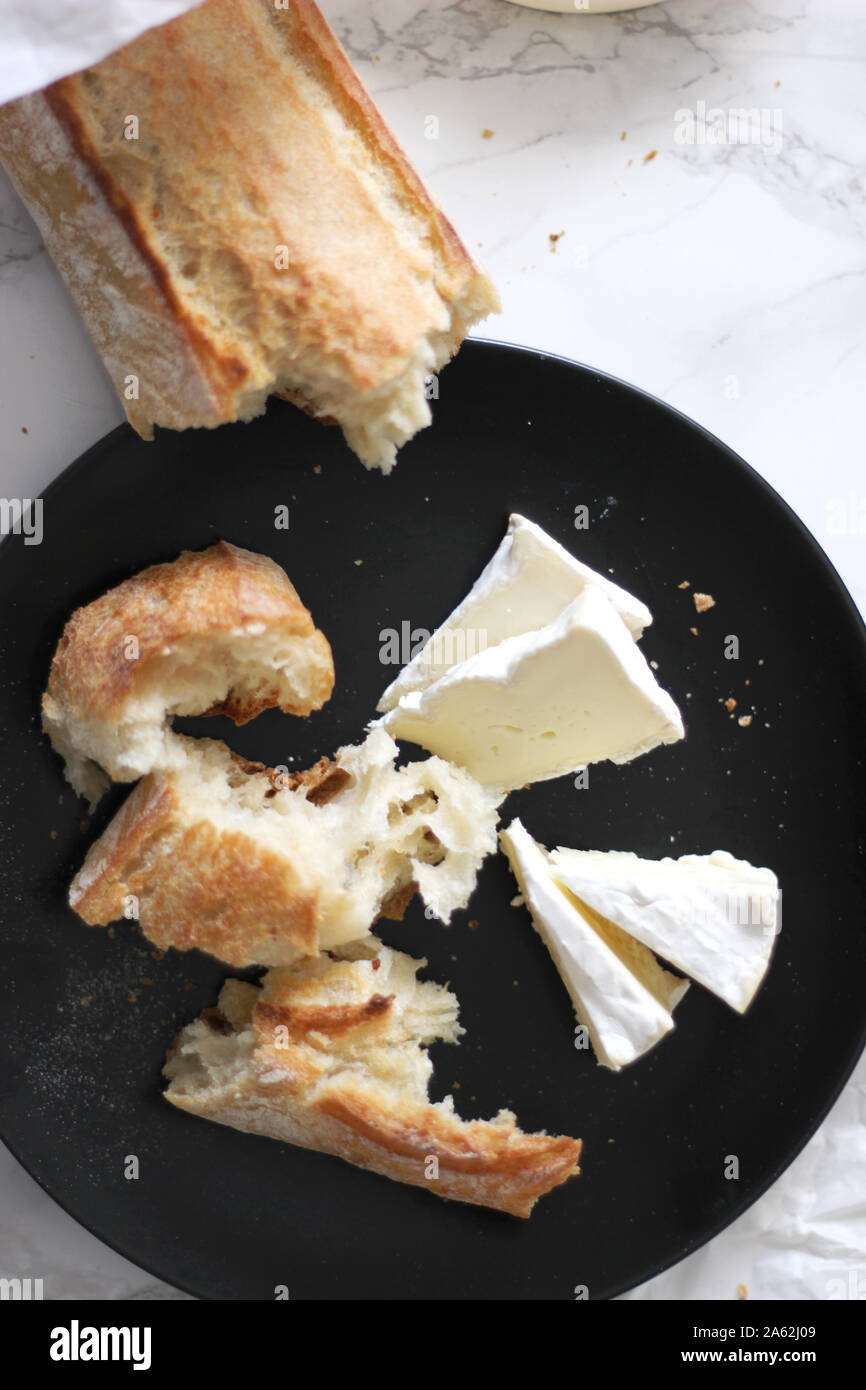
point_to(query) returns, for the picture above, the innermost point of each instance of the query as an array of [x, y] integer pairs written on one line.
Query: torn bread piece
[[217, 631], [525, 586], [258, 867], [331, 1055], [710, 915], [234, 220], [544, 703], [620, 993]]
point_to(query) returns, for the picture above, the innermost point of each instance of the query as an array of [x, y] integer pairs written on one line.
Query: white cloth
[[42, 40]]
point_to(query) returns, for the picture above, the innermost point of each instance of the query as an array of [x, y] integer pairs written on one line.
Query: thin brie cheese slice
[[544, 703], [621, 995], [712, 916], [525, 586]]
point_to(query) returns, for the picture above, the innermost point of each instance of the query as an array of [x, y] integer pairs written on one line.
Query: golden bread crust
[[203, 594], [193, 885], [490, 1165]]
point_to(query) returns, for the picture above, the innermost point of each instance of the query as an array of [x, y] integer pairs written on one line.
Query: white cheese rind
[[712, 916], [525, 586], [544, 703], [623, 1018]]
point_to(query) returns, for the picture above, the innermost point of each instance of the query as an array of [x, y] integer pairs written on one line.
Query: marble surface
[[727, 278]]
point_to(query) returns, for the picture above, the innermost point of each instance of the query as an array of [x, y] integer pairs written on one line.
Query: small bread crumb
[[730, 704], [473, 925], [555, 237], [685, 585], [487, 134], [742, 1292], [648, 157], [693, 631], [744, 721], [703, 602]]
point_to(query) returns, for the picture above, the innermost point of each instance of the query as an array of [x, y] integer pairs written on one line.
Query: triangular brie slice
[[712, 916], [620, 993], [525, 586], [544, 703]]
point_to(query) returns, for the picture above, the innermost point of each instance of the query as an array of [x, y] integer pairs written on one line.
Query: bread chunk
[[258, 868], [217, 631], [235, 220], [331, 1055]]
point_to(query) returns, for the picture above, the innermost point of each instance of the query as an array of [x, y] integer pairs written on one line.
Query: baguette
[[218, 631], [259, 868], [261, 232], [331, 1055]]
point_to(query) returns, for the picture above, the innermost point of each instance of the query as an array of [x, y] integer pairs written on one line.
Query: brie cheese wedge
[[621, 995], [525, 586], [712, 916], [545, 702]]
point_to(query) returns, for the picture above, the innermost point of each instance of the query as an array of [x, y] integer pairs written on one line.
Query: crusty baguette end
[[262, 232]]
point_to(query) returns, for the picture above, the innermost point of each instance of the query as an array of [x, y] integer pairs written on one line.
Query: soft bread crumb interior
[[255, 666], [214, 1053], [427, 824]]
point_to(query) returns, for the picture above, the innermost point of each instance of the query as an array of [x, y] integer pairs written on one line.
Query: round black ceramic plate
[[87, 1013]]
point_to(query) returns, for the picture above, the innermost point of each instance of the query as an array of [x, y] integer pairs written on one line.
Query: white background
[[728, 280]]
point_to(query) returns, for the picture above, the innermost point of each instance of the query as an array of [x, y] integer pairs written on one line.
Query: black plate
[[88, 1013]]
